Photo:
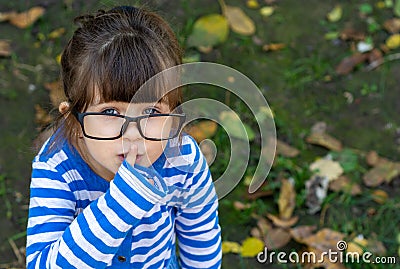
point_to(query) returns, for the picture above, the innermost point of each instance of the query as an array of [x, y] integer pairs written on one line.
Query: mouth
[[122, 157]]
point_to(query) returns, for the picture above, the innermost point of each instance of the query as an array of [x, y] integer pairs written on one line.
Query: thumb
[[131, 156]]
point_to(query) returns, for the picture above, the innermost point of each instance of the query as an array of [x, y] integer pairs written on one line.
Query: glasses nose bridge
[[128, 121]]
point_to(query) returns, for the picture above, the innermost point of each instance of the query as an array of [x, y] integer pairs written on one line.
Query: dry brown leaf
[[352, 34], [5, 16], [380, 196], [283, 223], [299, 233], [324, 240], [258, 194], [277, 238], [286, 150], [287, 200], [392, 25], [383, 172], [27, 18], [42, 118], [239, 21], [344, 184], [324, 140], [376, 247], [273, 46], [373, 159], [349, 63], [241, 206], [5, 48], [56, 92], [202, 130], [375, 55]]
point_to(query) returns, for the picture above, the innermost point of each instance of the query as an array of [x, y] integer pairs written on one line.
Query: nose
[[130, 131]]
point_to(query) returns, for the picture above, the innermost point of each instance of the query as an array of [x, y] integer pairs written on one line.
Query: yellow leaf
[[380, 196], [202, 130], [208, 31], [239, 21], [5, 48], [56, 33], [251, 247], [25, 19], [335, 14], [393, 42], [230, 247], [252, 4], [58, 58], [287, 199], [266, 11]]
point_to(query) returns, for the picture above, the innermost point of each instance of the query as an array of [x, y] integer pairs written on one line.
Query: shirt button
[[121, 258]]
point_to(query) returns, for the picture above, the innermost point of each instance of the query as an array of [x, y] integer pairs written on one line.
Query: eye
[[151, 110], [110, 111]]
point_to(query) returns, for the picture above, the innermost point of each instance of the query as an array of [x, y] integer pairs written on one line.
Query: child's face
[[106, 156]]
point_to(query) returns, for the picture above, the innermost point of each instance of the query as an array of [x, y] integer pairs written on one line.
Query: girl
[[103, 193]]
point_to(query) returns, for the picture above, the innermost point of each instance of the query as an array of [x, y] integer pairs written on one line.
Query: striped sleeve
[[56, 239], [198, 231]]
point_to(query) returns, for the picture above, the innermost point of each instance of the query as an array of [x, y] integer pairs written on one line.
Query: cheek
[[154, 149]]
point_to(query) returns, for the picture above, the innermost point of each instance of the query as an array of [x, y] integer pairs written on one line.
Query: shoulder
[[51, 156], [184, 152]]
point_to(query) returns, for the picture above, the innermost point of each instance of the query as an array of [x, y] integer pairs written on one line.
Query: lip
[[138, 157]]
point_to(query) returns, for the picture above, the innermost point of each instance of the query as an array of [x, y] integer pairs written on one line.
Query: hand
[[131, 156]]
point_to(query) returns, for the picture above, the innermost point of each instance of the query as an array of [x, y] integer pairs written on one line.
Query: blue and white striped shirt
[[79, 220]]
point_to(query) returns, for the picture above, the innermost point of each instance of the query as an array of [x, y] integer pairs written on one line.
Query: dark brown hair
[[110, 56]]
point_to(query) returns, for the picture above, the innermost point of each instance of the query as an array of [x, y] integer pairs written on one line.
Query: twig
[[16, 251], [375, 64], [322, 217]]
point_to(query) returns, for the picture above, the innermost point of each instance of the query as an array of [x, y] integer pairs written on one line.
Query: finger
[[131, 156]]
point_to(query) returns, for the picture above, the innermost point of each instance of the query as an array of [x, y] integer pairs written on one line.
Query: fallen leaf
[[277, 238], [5, 48], [324, 240], [335, 14], [251, 247], [230, 247], [287, 199], [344, 184], [376, 247], [56, 33], [241, 206], [273, 47], [357, 245], [299, 233], [352, 34], [5, 16], [202, 130], [56, 92], [234, 127], [252, 4], [383, 172], [238, 20], [349, 63], [324, 140], [327, 168], [283, 223], [375, 55], [209, 31], [267, 11], [286, 150], [380, 196], [25, 19], [42, 118], [393, 41], [316, 190], [392, 25]]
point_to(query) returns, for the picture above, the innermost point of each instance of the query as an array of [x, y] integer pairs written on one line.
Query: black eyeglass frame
[[80, 116]]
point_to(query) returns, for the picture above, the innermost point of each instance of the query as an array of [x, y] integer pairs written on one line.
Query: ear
[[63, 107]]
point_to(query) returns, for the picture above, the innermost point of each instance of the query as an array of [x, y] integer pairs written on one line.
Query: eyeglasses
[[156, 127]]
